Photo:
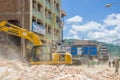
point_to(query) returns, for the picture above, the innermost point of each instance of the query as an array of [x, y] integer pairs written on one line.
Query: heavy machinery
[[38, 49]]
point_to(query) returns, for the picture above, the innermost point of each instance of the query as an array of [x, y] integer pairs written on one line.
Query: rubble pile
[[17, 70], [13, 69]]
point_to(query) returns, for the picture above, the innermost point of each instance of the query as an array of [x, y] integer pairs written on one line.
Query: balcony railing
[[56, 38], [48, 20], [57, 12], [58, 1], [34, 12], [41, 1], [57, 26], [49, 36], [37, 13], [49, 6]]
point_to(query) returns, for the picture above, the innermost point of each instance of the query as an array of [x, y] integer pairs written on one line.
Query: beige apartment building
[[42, 17]]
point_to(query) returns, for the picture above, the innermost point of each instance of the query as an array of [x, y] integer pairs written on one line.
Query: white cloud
[[105, 36], [74, 19], [112, 20], [72, 37], [88, 27], [72, 32], [107, 31], [117, 28], [64, 28]]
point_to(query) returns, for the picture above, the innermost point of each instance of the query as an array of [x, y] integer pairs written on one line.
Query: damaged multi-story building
[[42, 17]]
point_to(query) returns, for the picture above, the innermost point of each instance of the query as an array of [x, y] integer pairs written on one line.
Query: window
[[34, 4], [54, 4], [58, 19], [46, 28], [49, 14], [57, 33], [49, 29], [39, 8], [49, 1], [57, 7], [46, 13], [39, 22], [33, 19], [15, 22]]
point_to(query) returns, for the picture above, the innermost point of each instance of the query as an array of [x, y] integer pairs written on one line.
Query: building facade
[[103, 52], [42, 17]]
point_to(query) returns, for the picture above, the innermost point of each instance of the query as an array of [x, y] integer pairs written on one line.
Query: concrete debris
[[17, 70], [13, 69]]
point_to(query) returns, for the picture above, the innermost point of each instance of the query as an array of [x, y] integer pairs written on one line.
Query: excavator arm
[[23, 33], [38, 49], [20, 32]]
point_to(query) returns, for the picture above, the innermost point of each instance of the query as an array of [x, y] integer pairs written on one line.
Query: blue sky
[[91, 20]]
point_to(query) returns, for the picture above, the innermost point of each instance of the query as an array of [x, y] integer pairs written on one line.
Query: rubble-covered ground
[[12, 67], [17, 70]]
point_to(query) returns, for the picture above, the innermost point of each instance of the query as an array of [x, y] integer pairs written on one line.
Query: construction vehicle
[[38, 49]]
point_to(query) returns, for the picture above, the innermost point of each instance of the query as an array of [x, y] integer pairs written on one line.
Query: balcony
[[57, 12], [34, 12], [49, 36], [49, 6], [56, 38], [41, 1], [58, 1], [48, 21], [37, 13], [57, 26]]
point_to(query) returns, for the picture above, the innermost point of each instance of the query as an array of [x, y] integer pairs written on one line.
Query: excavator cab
[[41, 53]]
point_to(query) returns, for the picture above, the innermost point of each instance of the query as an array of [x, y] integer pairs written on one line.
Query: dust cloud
[[8, 52]]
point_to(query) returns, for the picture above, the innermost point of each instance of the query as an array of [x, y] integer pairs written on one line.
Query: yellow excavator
[[38, 49]]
